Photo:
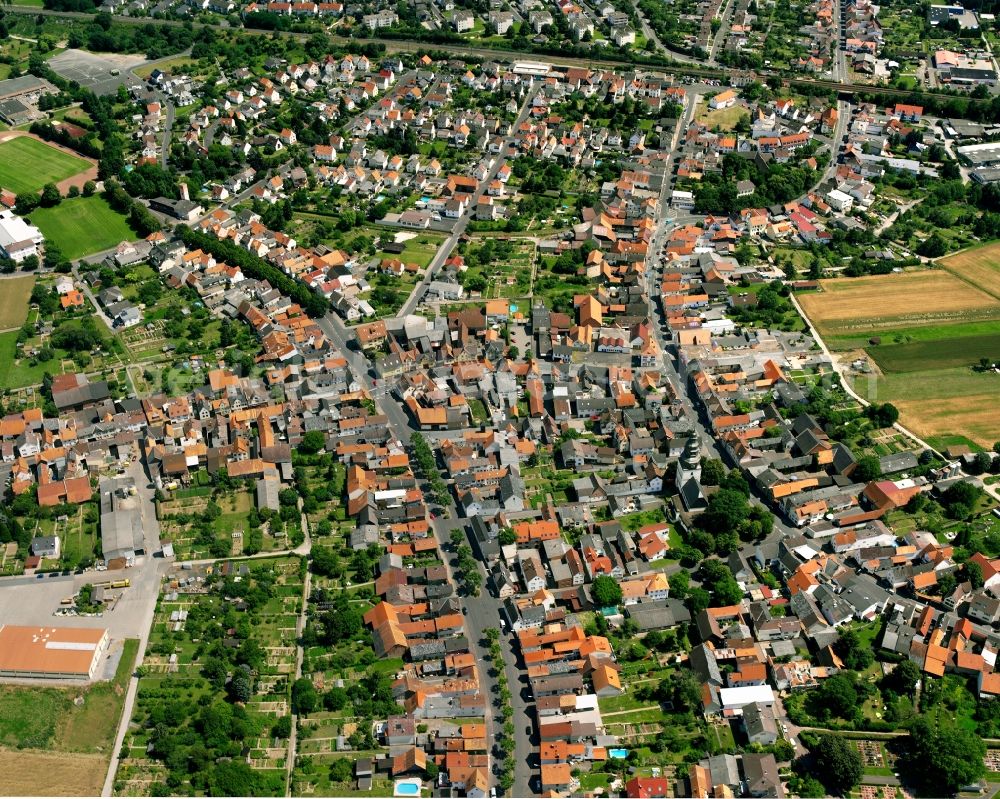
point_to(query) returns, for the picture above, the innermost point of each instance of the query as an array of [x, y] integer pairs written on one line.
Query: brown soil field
[[980, 267], [27, 772], [895, 301], [963, 415]]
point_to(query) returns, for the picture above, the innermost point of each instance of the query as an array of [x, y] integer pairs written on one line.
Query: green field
[[907, 335], [420, 249], [27, 164], [178, 64], [23, 374], [47, 718], [14, 295], [941, 353], [82, 226]]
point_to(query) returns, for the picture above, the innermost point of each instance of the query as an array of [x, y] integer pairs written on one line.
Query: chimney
[[185, 194]]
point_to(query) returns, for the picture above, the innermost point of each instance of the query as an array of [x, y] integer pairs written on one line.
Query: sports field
[[932, 327], [14, 295], [82, 226], [27, 164]]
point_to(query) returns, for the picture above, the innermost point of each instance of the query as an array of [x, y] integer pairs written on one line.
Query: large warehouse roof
[[50, 651]]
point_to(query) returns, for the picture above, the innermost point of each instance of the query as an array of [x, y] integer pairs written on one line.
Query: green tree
[[783, 751], [282, 728], [335, 699], [857, 655], [325, 561], [974, 574], [341, 770], [944, 759], [233, 778], [712, 471], [726, 591], [726, 511], [50, 195], [903, 678], [312, 442], [867, 469], [838, 696], [884, 415], [304, 696], [680, 582], [240, 687], [683, 690], [606, 592], [697, 600], [838, 764]]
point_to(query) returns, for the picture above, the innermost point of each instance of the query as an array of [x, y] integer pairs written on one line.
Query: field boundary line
[[838, 368], [963, 278]]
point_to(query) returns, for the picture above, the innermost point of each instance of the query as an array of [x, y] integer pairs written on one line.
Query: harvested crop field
[[30, 773], [965, 414], [939, 402], [890, 302], [934, 327], [979, 266]]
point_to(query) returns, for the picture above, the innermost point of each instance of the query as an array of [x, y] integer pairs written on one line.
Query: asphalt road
[[678, 382], [481, 612]]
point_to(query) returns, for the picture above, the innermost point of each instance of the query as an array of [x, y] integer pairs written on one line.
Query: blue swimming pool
[[407, 789], [618, 754]]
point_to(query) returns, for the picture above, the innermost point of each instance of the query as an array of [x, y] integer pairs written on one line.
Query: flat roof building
[[51, 652], [18, 239]]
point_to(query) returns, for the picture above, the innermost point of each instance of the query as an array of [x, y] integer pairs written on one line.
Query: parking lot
[[31, 601], [93, 71]]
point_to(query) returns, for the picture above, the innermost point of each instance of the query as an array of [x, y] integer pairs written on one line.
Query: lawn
[[178, 64], [15, 374], [14, 294], [27, 164], [82, 226], [420, 249], [724, 119]]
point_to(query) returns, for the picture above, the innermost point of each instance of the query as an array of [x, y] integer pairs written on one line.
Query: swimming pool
[[407, 788], [618, 754]]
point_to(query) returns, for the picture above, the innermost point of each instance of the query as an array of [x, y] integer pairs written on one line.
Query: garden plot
[[207, 622]]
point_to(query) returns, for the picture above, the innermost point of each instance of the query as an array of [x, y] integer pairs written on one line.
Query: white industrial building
[[18, 239]]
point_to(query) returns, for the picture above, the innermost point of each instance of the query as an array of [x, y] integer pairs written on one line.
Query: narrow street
[[481, 612], [449, 244]]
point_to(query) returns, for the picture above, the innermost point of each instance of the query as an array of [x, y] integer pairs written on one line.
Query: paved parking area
[[93, 71], [31, 602]]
